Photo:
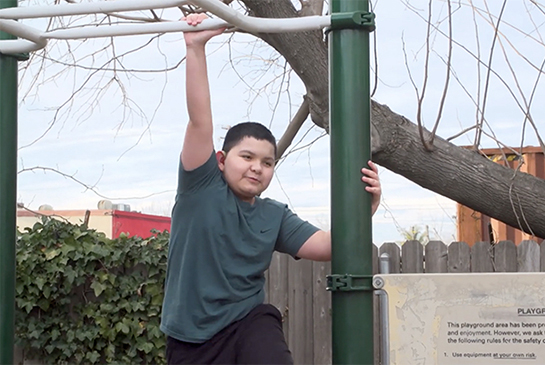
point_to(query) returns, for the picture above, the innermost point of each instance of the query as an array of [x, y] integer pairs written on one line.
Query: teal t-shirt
[[219, 250]]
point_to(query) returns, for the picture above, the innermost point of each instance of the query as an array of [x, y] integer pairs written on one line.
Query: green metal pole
[[8, 191], [350, 114]]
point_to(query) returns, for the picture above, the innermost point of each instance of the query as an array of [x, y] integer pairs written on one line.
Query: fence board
[[528, 256], [392, 249], [376, 261], [542, 255], [435, 257], [412, 257], [266, 287], [458, 257], [505, 257], [278, 287], [482, 257], [321, 314], [300, 311]]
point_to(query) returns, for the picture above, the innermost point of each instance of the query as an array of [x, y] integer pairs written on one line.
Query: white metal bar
[[33, 39], [263, 25], [38, 40], [23, 31], [87, 8], [14, 46], [133, 29]]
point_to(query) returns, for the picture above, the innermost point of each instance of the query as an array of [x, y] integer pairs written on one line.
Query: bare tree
[[402, 146], [412, 151]]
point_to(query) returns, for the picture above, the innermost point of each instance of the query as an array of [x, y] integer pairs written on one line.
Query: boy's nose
[[256, 167]]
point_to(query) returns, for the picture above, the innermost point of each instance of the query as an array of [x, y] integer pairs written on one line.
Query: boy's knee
[[261, 338]]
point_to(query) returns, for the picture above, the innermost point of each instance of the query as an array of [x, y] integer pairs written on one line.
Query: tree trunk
[[306, 53], [517, 199]]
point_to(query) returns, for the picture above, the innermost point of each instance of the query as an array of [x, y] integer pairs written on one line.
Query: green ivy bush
[[82, 298]]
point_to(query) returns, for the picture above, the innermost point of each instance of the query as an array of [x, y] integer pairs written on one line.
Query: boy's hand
[[373, 182], [198, 38]]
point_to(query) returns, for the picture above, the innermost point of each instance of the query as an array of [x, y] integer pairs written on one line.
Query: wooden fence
[[297, 288]]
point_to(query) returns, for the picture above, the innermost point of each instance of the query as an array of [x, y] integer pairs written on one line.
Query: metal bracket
[[354, 20], [17, 56], [349, 282]]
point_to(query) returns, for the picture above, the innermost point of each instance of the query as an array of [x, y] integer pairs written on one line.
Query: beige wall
[[101, 220]]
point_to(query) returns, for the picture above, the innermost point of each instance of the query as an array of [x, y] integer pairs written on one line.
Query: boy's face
[[248, 167]]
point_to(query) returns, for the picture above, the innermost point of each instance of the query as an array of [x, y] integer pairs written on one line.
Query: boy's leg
[[179, 352], [260, 339], [217, 350]]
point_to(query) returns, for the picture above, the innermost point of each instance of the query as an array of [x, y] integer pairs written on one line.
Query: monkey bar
[[349, 27], [34, 39]]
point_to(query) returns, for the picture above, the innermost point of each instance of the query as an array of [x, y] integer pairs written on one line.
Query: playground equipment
[[348, 31], [34, 39]]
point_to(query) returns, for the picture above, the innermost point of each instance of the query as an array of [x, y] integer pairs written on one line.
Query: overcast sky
[[126, 143]]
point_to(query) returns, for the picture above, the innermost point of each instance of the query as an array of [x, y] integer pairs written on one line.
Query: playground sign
[[458, 319]]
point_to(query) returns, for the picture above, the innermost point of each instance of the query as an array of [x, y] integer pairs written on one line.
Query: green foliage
[[85, 299], [415, 233]]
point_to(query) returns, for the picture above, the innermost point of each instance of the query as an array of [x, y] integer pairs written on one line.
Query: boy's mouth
[[253, 179]]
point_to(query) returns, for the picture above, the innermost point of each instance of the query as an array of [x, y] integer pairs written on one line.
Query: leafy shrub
[[82, 298]]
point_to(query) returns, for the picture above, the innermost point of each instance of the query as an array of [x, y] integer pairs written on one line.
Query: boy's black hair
[[237, 133]]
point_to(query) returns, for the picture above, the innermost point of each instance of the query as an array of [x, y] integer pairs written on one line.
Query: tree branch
[[86, 186], [292, 129]]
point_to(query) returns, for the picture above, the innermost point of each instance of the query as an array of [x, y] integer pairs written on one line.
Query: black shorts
[[255, 339]]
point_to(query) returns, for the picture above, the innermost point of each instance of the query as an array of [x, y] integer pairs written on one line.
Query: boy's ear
[[220, 157]]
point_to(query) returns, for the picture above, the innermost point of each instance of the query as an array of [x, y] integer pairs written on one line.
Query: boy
[[223, 236]]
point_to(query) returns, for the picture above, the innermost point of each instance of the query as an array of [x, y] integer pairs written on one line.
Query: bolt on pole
[[350, 130]]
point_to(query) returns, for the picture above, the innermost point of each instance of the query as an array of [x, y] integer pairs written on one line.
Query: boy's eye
[[246, 157], [268, 164]]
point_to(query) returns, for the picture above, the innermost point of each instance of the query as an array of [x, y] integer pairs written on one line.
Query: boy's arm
[[318, 246], [198, 142]]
